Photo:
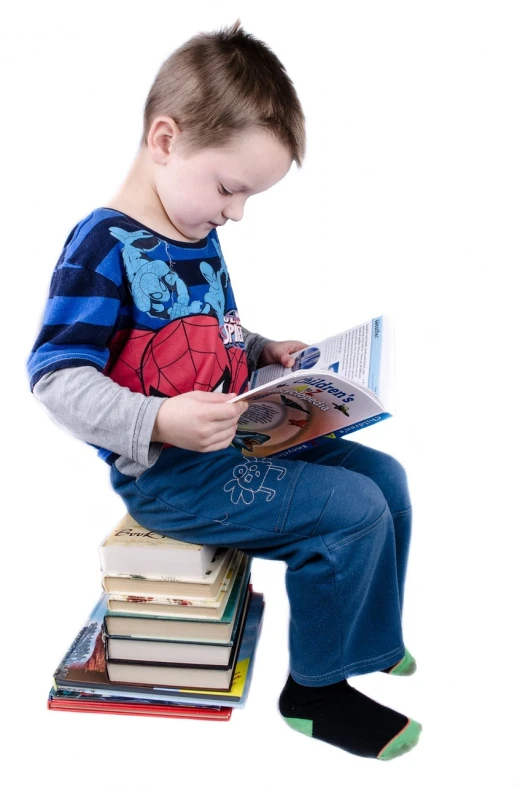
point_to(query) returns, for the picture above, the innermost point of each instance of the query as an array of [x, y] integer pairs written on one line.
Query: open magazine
[[336, 386]]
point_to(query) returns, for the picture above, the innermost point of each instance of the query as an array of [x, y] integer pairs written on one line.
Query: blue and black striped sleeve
[[83, 308]]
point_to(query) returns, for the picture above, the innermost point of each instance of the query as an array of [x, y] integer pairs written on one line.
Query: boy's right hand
[[198, 420]]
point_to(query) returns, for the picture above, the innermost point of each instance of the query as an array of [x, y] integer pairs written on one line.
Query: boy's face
[[203, 189]]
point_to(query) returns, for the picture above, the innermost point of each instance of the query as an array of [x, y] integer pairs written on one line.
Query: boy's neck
[[138, 199]]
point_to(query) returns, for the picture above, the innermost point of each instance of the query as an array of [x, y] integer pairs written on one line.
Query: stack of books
[[174, 632]]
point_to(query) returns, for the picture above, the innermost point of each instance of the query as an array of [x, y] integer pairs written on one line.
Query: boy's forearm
[[96, 409], [254, 344]]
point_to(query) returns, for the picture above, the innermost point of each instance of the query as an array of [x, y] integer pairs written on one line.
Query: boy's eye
[[224, 191]]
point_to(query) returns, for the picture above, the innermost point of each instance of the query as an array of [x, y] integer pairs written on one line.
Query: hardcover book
[[83, 668], [180, 607], [163, 628], [126, 706], [135, 551], [179, 675], [156, 651], [207, 588], [335, 387]]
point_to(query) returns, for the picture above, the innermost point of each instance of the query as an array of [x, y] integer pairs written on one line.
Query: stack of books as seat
[[174, 632]]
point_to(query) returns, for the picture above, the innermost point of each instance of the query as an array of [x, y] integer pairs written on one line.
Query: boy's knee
[[398, 497], [397, 471], [353, 506]]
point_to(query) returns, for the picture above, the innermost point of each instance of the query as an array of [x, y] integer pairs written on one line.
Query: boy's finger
[[228, 411]]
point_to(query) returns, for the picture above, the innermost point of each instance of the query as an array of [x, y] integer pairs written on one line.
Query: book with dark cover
[[83, 668], [179, 675], [178, 651]]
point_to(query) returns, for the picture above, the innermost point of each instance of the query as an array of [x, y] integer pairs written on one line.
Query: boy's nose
[[234, 210]]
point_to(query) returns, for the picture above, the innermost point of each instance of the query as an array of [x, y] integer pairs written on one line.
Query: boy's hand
[[198, 421], [279, 352]]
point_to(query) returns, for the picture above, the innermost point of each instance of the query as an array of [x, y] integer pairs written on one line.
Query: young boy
[[142, 348]]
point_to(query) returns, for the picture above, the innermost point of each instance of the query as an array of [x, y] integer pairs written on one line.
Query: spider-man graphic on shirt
[[200, 346]]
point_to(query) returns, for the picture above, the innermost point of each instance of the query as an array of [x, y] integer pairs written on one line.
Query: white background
[[407, 204]]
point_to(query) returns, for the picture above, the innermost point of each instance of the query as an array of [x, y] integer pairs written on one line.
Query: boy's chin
[[192, 235], [199, 232]]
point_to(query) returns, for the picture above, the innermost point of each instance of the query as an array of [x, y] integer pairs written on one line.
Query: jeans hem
[[352, 670]]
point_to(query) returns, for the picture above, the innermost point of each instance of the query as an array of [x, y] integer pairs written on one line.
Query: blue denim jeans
[[338, 515]]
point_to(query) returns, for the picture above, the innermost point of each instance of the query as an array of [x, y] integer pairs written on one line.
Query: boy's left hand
[[279, 352]]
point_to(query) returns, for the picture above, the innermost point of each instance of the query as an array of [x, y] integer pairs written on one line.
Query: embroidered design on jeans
[[248, 480]]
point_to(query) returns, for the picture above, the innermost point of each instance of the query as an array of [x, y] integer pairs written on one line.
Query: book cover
[[162, 628], [133, 550], [73, 675], [206, 589], [179, 675], [179, 607], [127, 706], [335, 387]]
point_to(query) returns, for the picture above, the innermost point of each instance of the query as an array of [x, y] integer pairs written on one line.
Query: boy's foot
[[342, 716], [403, 668]]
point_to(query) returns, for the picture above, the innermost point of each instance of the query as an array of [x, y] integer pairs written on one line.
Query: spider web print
[[176, 359], [189, 359], [126, 351], [239, 369]]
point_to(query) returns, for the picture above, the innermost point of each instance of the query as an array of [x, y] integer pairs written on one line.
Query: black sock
[[342, 716]]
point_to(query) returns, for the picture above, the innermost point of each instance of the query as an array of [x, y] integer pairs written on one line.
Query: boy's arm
[[259, 354], [82, 316], [96, 409], [125, 423], [254, 344]]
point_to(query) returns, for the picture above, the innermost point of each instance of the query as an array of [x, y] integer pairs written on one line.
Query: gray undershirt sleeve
[[254, 344], [97, 410]]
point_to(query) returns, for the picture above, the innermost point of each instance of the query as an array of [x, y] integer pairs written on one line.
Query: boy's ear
[[163, 135]]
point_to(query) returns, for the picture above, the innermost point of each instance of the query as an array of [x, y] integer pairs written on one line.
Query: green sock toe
[[300, 724], [402, 742], [405, 666]]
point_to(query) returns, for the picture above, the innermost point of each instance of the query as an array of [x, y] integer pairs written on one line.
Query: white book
[[164, 652], [335, 387], [179, 587], [179, 607], [132, 550]]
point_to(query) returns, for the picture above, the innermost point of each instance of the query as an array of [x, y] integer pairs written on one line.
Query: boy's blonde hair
[[218, 84]]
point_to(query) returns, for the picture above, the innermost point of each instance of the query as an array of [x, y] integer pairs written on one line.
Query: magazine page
[[301, 408], [356, 354]]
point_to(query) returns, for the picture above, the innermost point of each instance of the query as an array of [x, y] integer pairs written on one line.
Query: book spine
[[169, 570], [333, 435], [376, 344]]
